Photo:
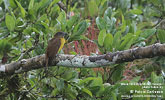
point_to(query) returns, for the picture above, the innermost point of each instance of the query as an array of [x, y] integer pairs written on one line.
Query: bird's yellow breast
[[62, 43]]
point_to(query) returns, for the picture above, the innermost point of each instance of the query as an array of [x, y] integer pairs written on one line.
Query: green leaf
[[136, 35], [103, 7], [62, 20], [161, 35], [101, 24], [5, 46], [43, 17], [29, 43], [31, 4], [126, 39], [81, 37], [79, 29], [35, 30], [101, 37], [97, 82], [54, 92], [147, 33], [42, 4], [60, 85], [52, 3], [87, 91], [156, 79], [108, 42], [10, 22], [136, 11], [86, 80], [108, 12], [110, 24], [21, 8], [114, 96], [128, 45], [74, 19], [136, 79], [116, 40], [1, 2], [12, 3], [117, 73], [92, 7], [123, 27]]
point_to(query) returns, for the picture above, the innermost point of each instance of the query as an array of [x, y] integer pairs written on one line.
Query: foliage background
[[94, 27]]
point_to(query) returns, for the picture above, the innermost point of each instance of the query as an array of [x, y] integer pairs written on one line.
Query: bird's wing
[[53, 47]]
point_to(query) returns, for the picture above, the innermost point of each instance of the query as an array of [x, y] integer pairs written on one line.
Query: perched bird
[[54, 46]]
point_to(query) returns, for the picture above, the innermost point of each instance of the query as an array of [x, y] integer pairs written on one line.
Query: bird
[[54, 46]]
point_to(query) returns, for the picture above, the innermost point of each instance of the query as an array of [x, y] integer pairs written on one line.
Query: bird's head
[[60, 34]]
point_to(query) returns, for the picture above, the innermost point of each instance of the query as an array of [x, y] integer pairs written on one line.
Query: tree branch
[[83, 61], [62, 6]]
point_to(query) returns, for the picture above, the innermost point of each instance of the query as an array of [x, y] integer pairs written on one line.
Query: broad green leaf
[[116, 40], [92, 7], [23, 12], [114, 96], [74, 19], [101, 24], [60, 85], [5, 46], [54, 92], [136, 36], [156, 79], [126, 39], [42, 4], [142, 25], [52, 3], [87, 91], [108, 42], [45, 25], [12, 3], [82, 27], [29, 43], [70, 74], [147, 33], [43, 17], [136, 11], [108, 12], [123, 27], [61, 17], [103, 7], [136, 79], [117, 73], [101, 37], [81, 37], [161, 35], [1, 1], [98, 2], [86, 80], [110, 24], [79, 29], [97, 82], [10, 22], [35, 30], [31, 4], [128, 45], [62, 20]]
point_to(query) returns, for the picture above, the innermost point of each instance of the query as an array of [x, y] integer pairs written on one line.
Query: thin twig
[[62, 6], [2, 19]]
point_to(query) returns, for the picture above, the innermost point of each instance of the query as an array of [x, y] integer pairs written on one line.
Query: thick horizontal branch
[[83, 61]]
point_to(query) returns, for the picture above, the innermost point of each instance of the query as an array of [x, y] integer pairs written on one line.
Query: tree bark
[[83, 61]]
